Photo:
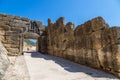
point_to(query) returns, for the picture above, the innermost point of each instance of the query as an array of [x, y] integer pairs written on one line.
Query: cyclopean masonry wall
[[93, 43], [14, 29]]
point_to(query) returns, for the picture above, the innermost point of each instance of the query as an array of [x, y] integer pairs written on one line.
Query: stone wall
[[93, 43], [4, 62], [13, 30]]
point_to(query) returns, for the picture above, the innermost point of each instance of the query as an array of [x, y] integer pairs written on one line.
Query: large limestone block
[[10, 33], [20, 18], [60, 22], [96, 39], [3, 15], [2, 32], [69, 27], [111, 60], [4, 26], [2, 38], [98, 24], [4, 62], [7, 45], [28, 35], [12, 51], [118, 34]]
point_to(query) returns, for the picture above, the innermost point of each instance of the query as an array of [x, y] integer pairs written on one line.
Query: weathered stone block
[[0, 18], [19, 30], [7, 45], [10, 33], [13, 50], [15, 46], [3, 15], [2, 32], [10, 42], [4, 62], [5, 27], [2, 38]]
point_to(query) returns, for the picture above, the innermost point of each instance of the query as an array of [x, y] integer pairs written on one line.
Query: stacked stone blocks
[[93, 43]]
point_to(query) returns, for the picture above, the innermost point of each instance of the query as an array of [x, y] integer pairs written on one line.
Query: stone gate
[[14, 29]]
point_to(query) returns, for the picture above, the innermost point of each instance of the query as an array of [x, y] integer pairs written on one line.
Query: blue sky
[[76, 11]]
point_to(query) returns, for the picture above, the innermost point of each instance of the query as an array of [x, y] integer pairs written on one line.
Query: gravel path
[[46, 67]]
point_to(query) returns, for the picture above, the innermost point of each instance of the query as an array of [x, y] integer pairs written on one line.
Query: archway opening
[[29, 45]]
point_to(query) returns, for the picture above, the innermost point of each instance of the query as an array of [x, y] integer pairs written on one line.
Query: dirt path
[[45, 67]]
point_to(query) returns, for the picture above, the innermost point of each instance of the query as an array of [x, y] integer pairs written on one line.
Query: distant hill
[[30, 43]]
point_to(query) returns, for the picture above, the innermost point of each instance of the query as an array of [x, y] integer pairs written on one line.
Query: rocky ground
[[17, 70]]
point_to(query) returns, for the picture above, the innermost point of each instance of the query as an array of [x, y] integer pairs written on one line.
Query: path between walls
[[46, 67]]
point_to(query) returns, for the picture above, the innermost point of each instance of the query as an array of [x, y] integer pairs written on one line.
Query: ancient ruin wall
[[93, 43], [11, 28]]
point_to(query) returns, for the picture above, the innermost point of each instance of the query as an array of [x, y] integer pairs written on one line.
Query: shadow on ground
[[73, 67]]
